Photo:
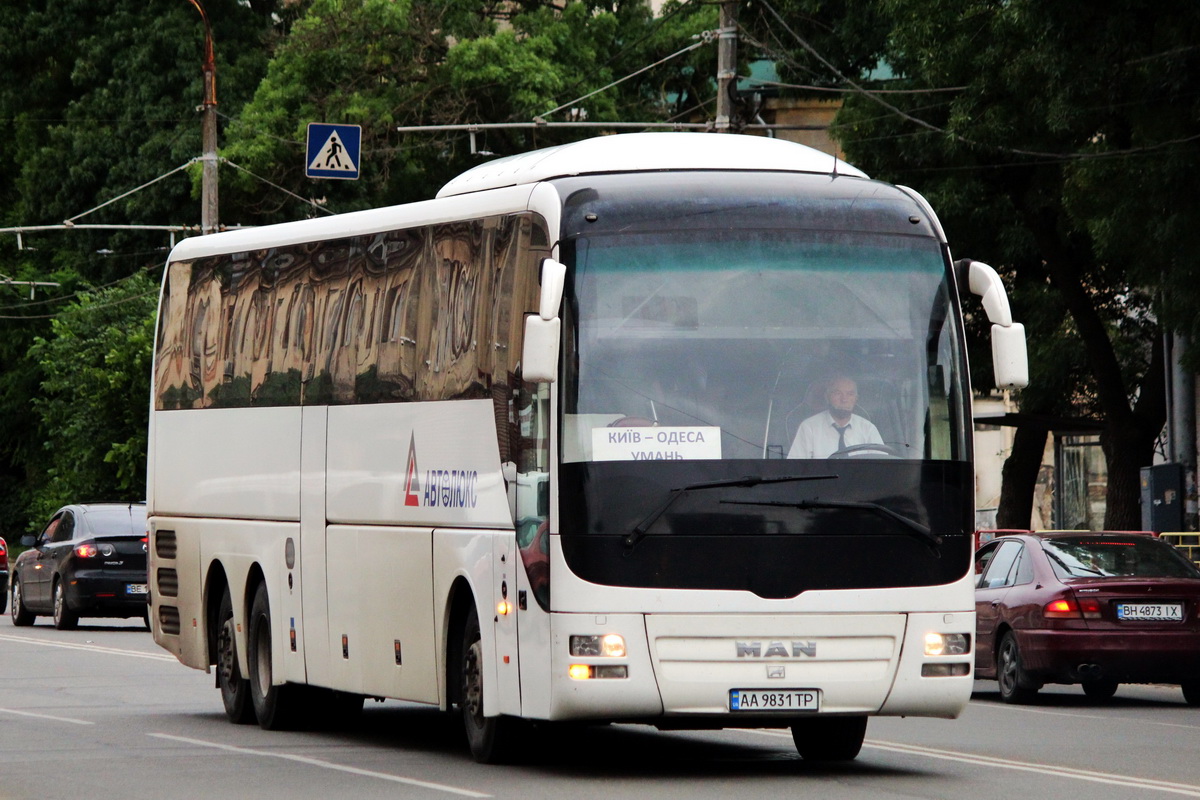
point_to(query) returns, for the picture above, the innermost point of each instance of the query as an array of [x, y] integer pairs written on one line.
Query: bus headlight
[[608, 645], [947, 644]]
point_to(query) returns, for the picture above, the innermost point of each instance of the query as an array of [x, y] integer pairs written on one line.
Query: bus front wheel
[[274, 705], [491, 739], [829, 738], [235, 690]]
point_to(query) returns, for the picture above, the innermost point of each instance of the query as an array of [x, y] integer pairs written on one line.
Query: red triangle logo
[[411, 486]]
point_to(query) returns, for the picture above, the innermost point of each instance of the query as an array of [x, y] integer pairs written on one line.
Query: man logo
[[776, 650]]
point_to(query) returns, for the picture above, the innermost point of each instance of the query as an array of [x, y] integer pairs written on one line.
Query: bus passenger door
[[508, 676], [533, 545]]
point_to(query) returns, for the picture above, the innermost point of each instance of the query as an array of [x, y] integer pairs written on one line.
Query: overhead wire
[[874, 97]]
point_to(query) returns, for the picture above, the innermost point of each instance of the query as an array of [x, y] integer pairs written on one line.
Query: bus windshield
[[762, 344]]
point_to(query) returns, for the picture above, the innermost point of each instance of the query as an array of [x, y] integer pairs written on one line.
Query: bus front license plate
[[774, 700]]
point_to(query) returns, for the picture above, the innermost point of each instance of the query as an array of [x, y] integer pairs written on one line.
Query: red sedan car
[[1097, 609]]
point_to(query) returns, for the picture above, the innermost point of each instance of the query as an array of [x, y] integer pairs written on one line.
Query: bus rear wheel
[[274, 705], [492, 739], [829, 738], [235, 690]]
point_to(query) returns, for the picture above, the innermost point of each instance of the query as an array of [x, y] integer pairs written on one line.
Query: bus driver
[[835, 428]]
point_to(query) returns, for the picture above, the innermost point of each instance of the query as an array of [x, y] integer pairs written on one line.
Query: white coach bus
[[532, 450]]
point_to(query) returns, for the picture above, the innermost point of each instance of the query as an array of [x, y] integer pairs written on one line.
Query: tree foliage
[[1055, 140], [93, 398], [383, 65]]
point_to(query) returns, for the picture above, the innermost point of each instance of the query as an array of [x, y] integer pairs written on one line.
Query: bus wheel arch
[[223, 649], [492, 740], [276, 705]]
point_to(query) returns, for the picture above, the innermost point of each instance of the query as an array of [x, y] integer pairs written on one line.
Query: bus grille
[[165, 545], [168, 619], [168, 582]]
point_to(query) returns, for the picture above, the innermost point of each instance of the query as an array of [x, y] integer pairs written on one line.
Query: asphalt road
[[102, 713]]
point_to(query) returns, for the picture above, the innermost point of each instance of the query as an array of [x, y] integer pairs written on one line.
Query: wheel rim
[[226, 660], [1008, 667], [16, 598], [59, 602], [473, 683]]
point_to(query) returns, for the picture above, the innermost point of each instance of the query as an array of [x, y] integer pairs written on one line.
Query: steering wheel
[[632, 422], [850, 451]]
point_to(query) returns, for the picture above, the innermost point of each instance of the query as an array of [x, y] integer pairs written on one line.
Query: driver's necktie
[[841, 435]]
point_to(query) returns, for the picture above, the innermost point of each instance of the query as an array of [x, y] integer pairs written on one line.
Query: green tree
[[93, 400], [1055, 139], [98, 98], [383, 64]]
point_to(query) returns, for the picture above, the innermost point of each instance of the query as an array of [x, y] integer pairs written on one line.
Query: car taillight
[[1070, 608], [3, 554], [87, 550]]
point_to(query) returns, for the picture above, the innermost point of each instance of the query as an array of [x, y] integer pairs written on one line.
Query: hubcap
[[473, 682], [16, 598], [225, 655], [1008, 667]]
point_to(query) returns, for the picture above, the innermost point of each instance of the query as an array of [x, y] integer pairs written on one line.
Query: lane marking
[[1089, 716], [50, 717], [316, 762], [89, 648], [1184, 789]]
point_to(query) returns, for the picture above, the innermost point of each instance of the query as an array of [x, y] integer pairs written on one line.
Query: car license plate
[[774, 699], [1163, 612], [137, 588]]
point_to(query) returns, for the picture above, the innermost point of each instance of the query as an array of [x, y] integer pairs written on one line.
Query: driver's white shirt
[[818, 438]]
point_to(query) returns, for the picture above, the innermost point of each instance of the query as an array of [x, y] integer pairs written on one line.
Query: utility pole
[[208, 183], [726, 65]]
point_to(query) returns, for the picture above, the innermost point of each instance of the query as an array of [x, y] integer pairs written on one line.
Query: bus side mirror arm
[[1010, 358], [539, 354]]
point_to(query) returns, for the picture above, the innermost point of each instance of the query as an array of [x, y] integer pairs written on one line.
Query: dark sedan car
[[1097, 609], [90, 561]]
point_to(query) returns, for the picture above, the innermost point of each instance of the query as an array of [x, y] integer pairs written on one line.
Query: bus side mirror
[[1010, 360], [539, 356], [554, 278]]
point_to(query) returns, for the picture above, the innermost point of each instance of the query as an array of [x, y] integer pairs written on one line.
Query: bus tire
[[491, 739], [829, 738], [235, 690], [274, 705]]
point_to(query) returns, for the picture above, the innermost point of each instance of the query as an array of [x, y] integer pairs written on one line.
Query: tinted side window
[[982, 559], [1023, 571], [1001, 566], [64, 530]]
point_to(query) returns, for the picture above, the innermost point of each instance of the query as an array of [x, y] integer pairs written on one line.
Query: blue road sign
[[333, 151]]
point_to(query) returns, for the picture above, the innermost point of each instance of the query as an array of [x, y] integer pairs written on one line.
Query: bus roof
[[649, 152]]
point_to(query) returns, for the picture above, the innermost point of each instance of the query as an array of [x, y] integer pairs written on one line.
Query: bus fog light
[[945, 670], [612, 671], [947, 644], [609, 645]]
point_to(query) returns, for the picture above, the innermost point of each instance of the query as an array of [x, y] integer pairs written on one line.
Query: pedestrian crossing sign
[[333, 151]]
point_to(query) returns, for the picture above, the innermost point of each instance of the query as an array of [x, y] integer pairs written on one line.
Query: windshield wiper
[[922, 531], [639, 531]]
